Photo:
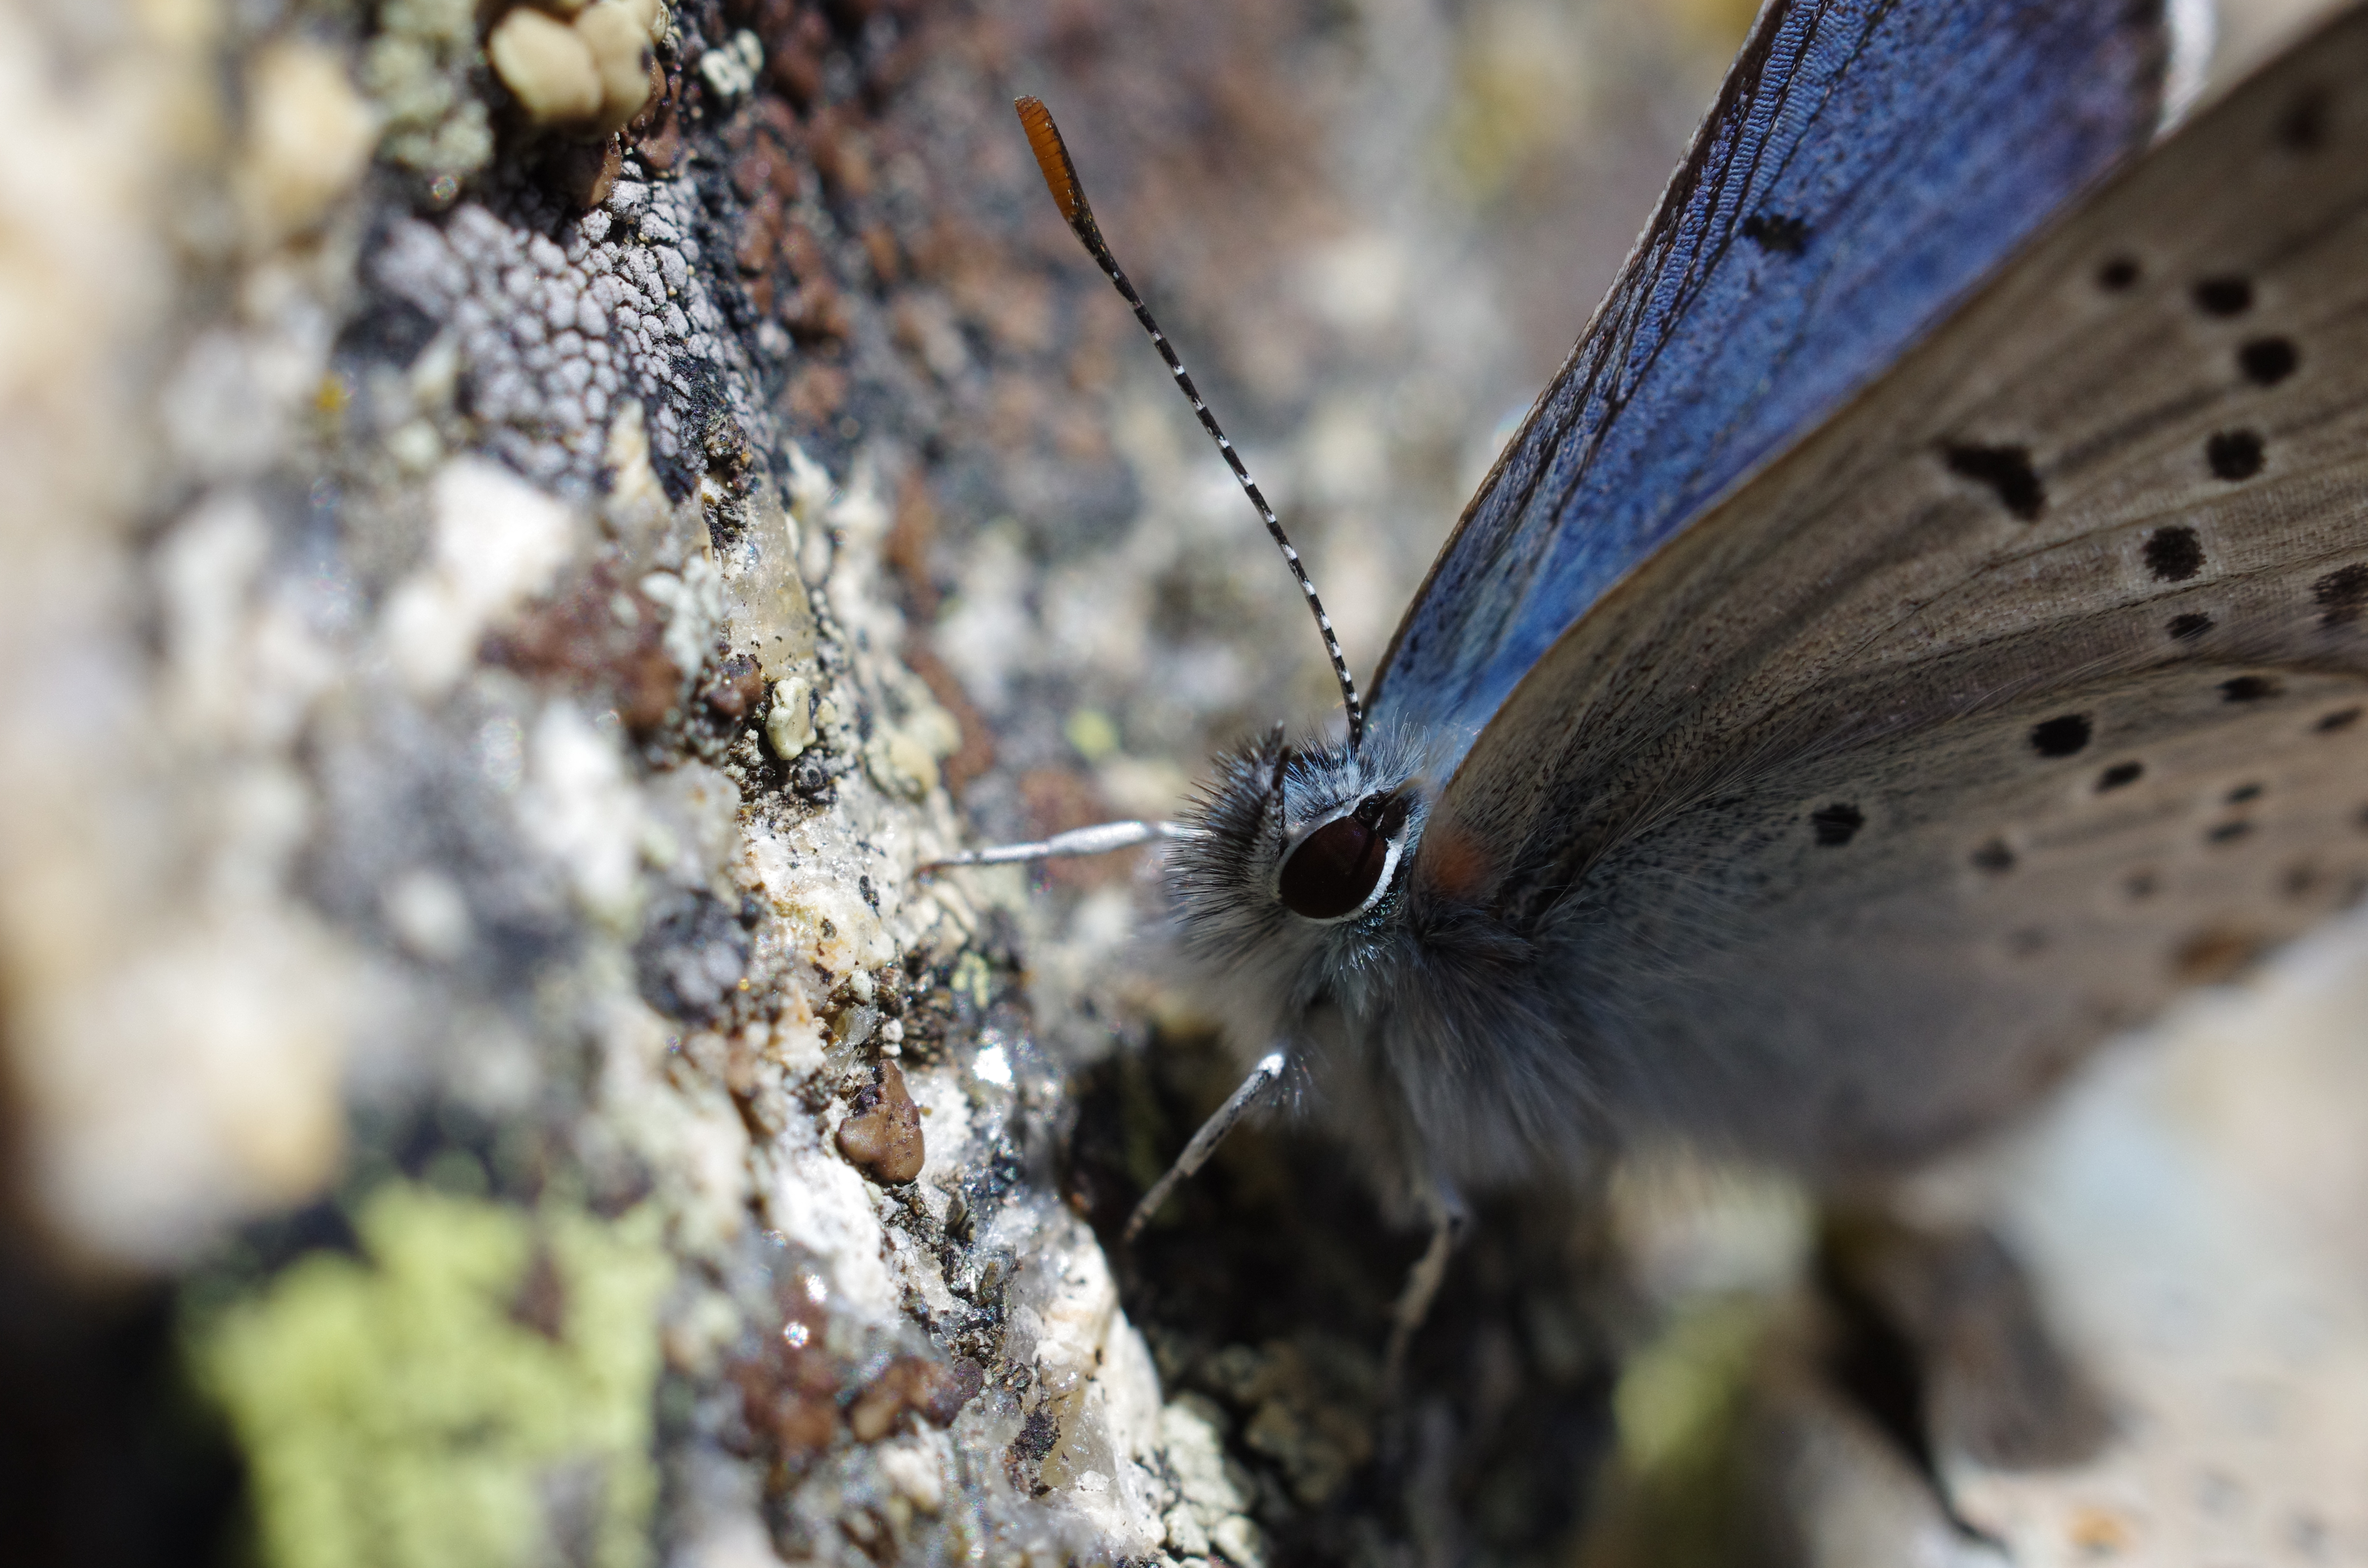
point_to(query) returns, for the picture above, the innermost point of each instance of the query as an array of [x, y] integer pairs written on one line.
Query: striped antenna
[[1069, 194]]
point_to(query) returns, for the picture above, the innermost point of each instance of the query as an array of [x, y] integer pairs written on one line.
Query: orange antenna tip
[[1052, 156], [1069, 194]]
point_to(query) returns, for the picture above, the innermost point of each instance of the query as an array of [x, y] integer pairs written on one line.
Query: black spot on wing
[[2061, 736], [2303, 127], [2248, 688], [2228, 833], [2118, 274], [1994, 857], [2141, 885], [2341, 718], [2119, 774], [2244, 792], [2341, 596], [1781, 233], [2007, 471], [2266, 361], [2188, 628], [2308, 882], [2174, 554], [2233, 454], [1836, 824], [2229, 296]]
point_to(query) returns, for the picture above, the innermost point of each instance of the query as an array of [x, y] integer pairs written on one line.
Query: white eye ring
[[1310, 902]]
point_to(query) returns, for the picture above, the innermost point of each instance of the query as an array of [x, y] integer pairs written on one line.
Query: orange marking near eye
[[1452, 861]]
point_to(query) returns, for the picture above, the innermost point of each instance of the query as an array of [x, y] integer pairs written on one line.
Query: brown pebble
[[882, 1134], [760, 233], [793, 56], [880, 248], [653, 108], [578, 634], [843, 159], [741, 1066], [761, 168], [583, 172], [816, 391], [604, 174], [816, 315], [804, 252], [737, 686], [776, 117], [935, 1392], [789, 1388], [657, 134]]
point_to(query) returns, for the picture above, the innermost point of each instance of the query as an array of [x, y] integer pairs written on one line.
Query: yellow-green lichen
[[1673, 1496], [1677, 1401], [477, 1391], [417, 71]]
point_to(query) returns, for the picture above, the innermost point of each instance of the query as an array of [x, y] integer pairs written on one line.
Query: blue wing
[[1865, 165]]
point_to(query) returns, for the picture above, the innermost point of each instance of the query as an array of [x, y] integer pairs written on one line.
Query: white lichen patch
[[580, 808], [687, 1131], [817, 1199], [1093, 1369], [498, 541], [793, 1041], [690, 823], [1211, 1492], [240, 390], [429, 915], [693, 600], [732, 70], [831, 923], [917, 1468], [237, 668]]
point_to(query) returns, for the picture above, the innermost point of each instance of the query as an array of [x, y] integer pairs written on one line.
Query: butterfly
[[1921, 629]]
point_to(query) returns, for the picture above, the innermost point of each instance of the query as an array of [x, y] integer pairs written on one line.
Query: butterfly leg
[[1448, 1218], [1204, 1142], [1099, 840], [1940, 1337]]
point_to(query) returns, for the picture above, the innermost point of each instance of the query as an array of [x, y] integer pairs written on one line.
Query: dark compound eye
[[1335, 869]]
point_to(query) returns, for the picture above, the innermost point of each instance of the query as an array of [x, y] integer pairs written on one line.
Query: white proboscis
[[1099, 839]]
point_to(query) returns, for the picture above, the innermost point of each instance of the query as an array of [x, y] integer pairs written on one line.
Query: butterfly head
[[1301, 851]]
